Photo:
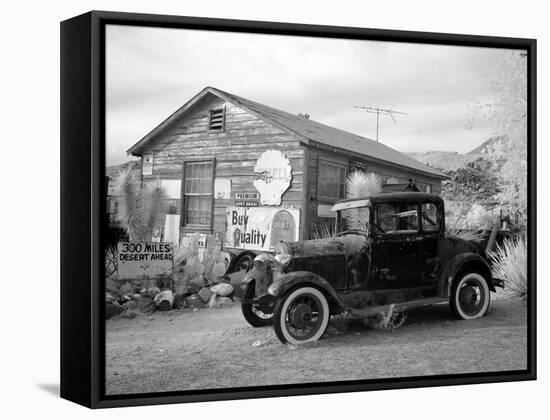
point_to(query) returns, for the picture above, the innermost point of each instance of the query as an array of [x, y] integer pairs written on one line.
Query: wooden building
[[228, 162]]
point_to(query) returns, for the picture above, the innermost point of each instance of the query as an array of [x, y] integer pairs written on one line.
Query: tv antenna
[[378, 112]]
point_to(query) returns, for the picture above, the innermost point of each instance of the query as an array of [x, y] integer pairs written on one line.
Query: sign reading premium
[[274, 176], [260, 228], [143, 259], [247, 199], [247, 196]]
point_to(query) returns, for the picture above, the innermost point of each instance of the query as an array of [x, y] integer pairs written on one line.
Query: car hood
[[315, 247], [345, 245]]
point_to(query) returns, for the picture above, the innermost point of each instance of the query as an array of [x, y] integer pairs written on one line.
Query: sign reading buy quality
[[260, 228], [142, 260]]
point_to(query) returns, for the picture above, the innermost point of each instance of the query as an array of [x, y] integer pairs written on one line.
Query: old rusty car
[[388, 250]]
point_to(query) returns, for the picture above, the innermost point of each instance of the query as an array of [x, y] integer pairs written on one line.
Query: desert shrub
[[510, 265], [459, 229], [388, 320]]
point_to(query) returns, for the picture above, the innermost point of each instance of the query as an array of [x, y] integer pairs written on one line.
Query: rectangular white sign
[[222, 188], [261, 228]]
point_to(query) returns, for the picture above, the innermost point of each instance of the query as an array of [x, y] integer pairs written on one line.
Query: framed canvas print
[[255, 209]]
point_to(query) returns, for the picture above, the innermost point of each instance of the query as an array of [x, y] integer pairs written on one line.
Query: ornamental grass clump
[[510, 265]]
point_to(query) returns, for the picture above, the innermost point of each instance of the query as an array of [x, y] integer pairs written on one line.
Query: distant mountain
[[495, 145], [491, 149], [444, 161]]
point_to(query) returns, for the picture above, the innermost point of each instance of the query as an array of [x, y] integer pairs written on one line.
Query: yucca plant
[[138, 209], [510, 265], [361, 184], [458, 229], [129, 216]]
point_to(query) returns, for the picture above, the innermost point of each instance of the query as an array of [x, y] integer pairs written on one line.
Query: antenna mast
[[378, 111]]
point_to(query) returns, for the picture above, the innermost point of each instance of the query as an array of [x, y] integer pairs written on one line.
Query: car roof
[[398, 197]]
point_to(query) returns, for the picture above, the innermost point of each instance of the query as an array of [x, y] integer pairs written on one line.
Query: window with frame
[[197, 193], [332, 182], [430, 217], [216, 121], [396, 218]]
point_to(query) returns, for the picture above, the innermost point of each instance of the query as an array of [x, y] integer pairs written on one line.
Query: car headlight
[[262, 262], [282, 248], [283, 259]]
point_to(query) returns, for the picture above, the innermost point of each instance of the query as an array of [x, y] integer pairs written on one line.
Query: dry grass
[[322, 231], [510, 264]]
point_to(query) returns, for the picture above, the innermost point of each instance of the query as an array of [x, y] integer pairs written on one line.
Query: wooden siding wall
[[235, 150], [384, 171]]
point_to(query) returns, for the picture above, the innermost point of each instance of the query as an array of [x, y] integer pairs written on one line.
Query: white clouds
[[151, 72]]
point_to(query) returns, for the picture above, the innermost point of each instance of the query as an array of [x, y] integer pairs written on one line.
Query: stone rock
[[194, 301], [223, 301], [143, 292], [182, 289], [136, 296], [112, 309], [222, 289], [205, 293], [180, 301], [126, 289], [153, 291], [109, 298], [147, 305], [164, 306], [165, 295], [131, 305], [128, 315]]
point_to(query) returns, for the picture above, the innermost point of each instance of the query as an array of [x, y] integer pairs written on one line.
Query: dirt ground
[[216, 348]]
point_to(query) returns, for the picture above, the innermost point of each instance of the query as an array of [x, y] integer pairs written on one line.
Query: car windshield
[[356, 219]]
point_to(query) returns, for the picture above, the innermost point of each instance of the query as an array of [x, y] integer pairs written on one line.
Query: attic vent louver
[[217, 119]]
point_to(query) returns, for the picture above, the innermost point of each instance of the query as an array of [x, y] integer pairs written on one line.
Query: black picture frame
[[83, 206]]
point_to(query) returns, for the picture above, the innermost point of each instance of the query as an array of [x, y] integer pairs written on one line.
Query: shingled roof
[[307, 129]]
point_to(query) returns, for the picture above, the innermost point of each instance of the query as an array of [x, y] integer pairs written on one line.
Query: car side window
[[396, 218], [430, 217]]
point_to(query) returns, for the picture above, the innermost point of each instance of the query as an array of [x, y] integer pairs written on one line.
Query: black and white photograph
[[286, 209]]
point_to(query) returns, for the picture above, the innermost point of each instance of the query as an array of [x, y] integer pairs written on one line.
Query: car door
[[432, 231], [398, 247]]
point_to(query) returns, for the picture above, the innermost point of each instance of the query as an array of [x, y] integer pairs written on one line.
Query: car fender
[[459, 262], [290, 280], [261, 283]]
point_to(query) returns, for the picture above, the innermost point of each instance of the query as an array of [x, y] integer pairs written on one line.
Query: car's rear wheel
[[470, 296], [260, 315], [301, 315]]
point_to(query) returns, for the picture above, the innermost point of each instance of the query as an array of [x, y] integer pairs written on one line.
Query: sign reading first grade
[[144, 260]]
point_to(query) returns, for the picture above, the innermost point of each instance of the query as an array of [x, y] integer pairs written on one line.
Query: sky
[[151, 72]]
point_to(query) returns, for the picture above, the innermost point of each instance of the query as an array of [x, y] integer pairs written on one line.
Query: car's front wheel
[[470, 296], [260, 315], [301, 315]]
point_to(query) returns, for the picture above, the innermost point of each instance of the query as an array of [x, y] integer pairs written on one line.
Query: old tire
[[301, 315], [470, 296], [253, 313]]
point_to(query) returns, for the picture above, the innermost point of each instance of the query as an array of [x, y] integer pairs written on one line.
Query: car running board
[[397, 307]]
